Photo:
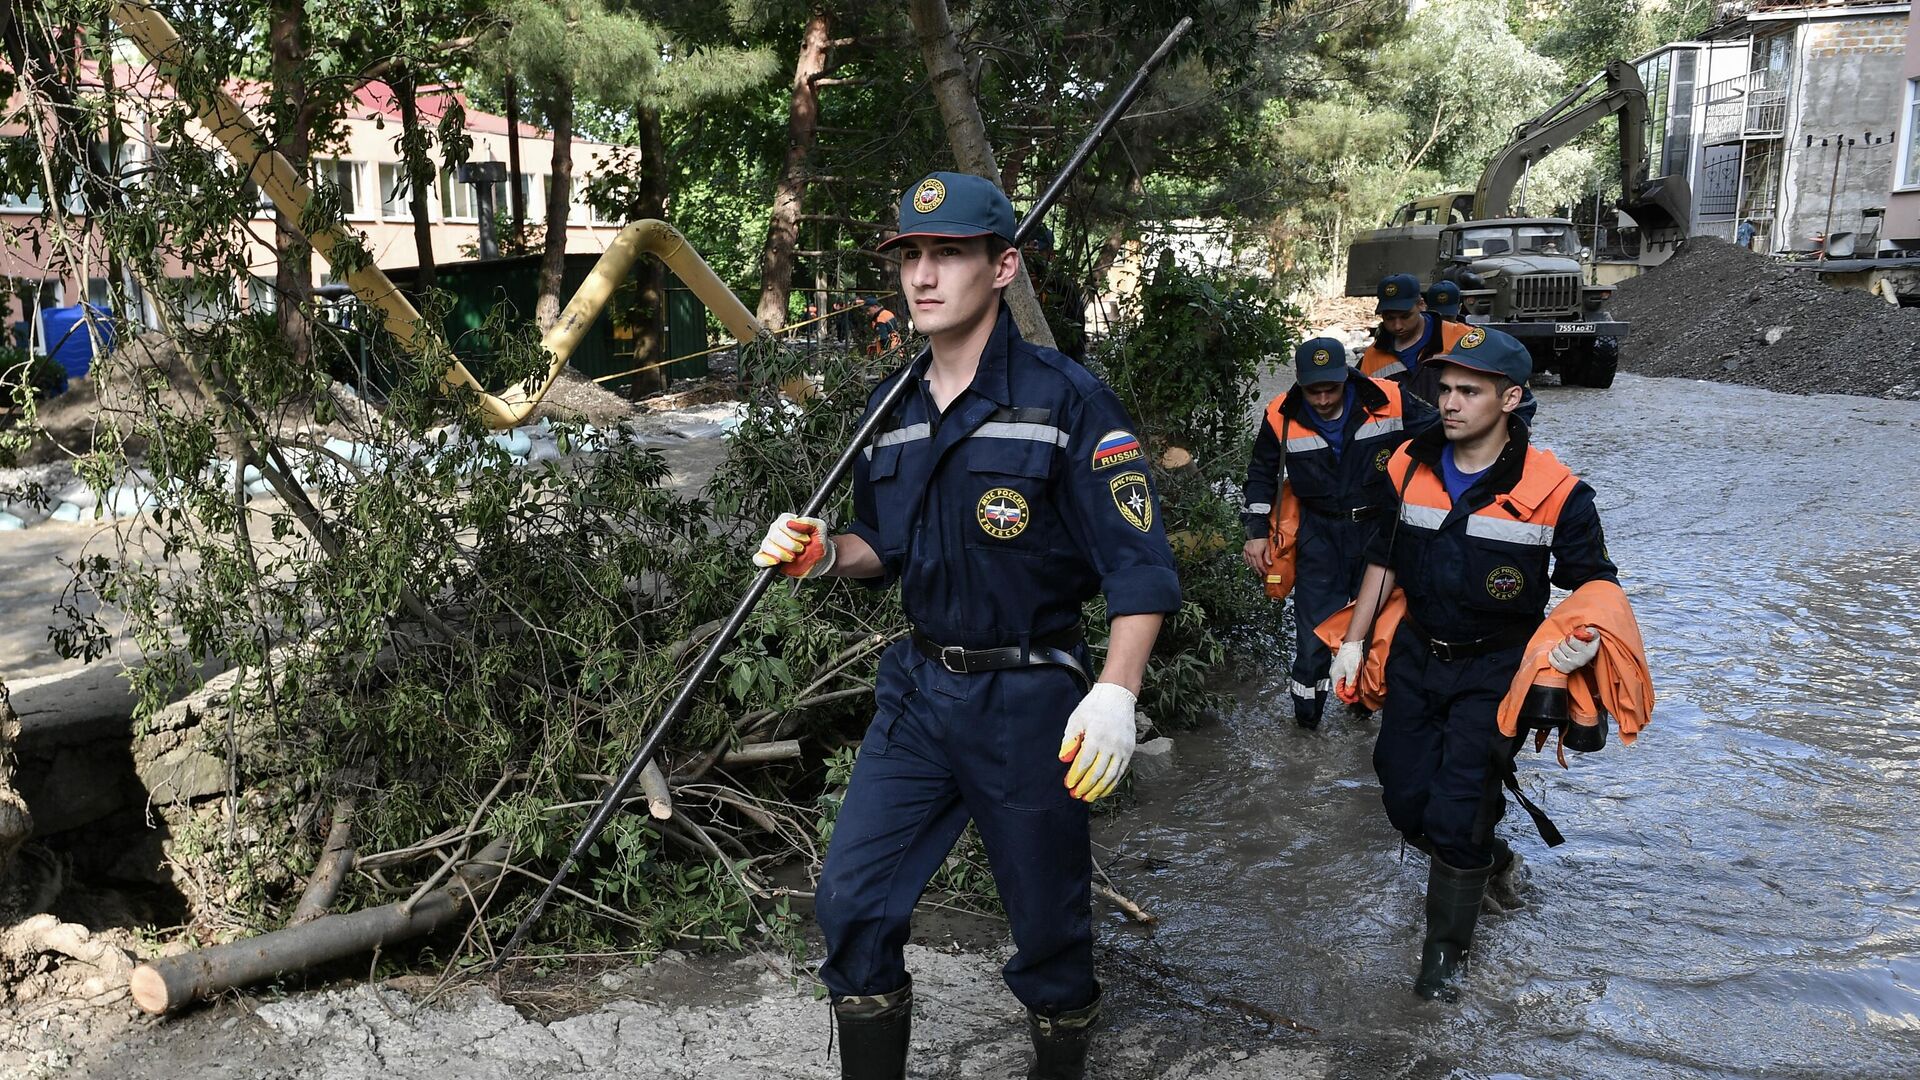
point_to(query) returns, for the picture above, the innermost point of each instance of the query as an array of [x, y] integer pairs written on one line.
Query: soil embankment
[[1720, 312]]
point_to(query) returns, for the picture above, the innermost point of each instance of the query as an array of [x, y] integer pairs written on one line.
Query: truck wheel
[[1593, 367]]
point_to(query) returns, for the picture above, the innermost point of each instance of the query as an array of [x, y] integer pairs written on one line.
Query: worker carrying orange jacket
[[1408, 337], [1316, 491], [1486, 525]]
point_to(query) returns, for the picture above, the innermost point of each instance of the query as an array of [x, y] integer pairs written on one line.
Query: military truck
[[1528, 275]]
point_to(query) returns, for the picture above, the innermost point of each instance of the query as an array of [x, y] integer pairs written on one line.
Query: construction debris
[[1720, 312]]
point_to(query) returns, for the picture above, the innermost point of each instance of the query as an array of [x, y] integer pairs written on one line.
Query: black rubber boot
[[1060, 1042], [874, 1031], [1453, 906]]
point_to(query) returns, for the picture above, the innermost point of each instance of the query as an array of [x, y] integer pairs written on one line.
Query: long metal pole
[[610, 803]]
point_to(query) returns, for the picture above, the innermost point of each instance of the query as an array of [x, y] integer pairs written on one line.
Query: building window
[[396, 193], [456, 198], [1910, 137], [344, 177]]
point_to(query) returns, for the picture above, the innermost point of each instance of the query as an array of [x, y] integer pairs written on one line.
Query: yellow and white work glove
[[1576, 652], [1099, 741], [1345, 672], [800, 546]]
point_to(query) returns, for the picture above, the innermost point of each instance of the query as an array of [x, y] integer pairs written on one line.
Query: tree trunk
[[553, 262], [803, 121], [293, 267], [650, 275], [413, 153], [16, 823], [967, 134], [515, 194]]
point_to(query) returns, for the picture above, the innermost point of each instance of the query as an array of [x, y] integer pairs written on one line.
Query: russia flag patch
[[1116, 448]]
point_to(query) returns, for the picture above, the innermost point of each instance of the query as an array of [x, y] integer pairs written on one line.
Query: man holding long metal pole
[[1007, 490]]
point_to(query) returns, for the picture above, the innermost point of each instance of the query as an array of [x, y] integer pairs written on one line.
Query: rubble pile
[[1720, 312]]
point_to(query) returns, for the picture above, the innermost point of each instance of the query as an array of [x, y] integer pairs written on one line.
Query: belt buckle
[[950, 655], [1441, 649], [1356, 515]]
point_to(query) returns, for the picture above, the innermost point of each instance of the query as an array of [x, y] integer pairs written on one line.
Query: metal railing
[[1750, 106]]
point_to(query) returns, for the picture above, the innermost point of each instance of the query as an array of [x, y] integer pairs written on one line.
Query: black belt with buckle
[[1049, 650], [1353, 516], [1449, 651]]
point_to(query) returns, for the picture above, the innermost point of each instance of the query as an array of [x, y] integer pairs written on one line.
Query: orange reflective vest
[[1383, 363], [885, 334]]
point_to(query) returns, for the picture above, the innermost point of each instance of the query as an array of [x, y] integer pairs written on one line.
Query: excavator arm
[[1660, 206]]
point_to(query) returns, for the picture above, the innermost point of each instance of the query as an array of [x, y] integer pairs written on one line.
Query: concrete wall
[[1845, 92], [1903, 204]]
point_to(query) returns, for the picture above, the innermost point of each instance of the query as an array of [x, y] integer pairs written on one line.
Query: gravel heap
[[1720, 312]]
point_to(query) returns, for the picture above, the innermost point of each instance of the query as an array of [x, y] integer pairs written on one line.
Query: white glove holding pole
[[1099, 741], [800, 546], [1576, 652], [1345, 673]]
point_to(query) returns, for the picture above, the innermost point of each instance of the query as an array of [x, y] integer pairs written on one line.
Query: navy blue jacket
[[1002, 516], [1469, 575], [1321, 480]]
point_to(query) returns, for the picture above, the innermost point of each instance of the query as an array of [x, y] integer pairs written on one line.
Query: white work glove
[[1345, 673], [1576, 652], [800, 546], [1099, 741]]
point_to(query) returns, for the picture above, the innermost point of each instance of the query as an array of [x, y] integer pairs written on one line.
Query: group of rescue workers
[[1402, 503]]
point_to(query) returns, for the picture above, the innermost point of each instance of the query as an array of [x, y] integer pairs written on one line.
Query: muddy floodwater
[[1737, 896]]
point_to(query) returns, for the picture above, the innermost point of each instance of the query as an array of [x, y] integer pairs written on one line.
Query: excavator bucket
[[1660, 209]]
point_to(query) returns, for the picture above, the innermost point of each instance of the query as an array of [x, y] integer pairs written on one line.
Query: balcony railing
[[1750, 106]]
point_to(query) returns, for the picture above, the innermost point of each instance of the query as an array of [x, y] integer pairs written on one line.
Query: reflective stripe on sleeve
[[1422, 517], [1263, 509], [910, 433], [1383, 426], [1301, 690], [1512, 532], [1045, 433]]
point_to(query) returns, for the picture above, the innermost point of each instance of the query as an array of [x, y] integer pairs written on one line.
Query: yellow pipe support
[[291, 195]]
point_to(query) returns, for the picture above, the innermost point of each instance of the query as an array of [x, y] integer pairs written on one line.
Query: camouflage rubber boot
[[1060, 1042], [874, 1031]]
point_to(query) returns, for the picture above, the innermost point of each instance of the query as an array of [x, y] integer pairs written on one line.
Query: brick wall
[[1846, 37]]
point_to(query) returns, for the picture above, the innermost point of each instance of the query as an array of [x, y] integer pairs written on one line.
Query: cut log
[[328, 874], [169, 983], [654, 785], [763, 753]]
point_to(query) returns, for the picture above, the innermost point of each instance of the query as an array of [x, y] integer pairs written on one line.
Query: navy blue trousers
[[1435, 756], [1328, 564], [943, 749]]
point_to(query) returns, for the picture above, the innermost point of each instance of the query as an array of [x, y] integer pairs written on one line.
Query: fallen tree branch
[[1134, 911], [762, 753], [331, 870], [654, 786], [168, 983]]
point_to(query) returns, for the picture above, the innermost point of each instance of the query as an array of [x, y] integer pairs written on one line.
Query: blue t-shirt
[[1410, 356], [1334, 430], [1457, 482]]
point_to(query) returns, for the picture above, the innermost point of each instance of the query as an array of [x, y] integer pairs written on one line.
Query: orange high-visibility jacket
[[1616, 682], [1383, 363], [1283, 532]]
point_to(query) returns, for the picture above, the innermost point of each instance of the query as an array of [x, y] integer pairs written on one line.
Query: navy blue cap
[[954, 205], [1320, 360], [1398, 292], [1443, 298], [1495, 352]]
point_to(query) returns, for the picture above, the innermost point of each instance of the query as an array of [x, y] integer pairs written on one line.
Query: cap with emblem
[[1443, 298], [1492, 351], [1398, 292], [954, 205], [1320, 360]]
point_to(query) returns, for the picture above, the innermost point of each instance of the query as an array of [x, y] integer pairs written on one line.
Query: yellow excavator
[[276, 176], [1527, 275]]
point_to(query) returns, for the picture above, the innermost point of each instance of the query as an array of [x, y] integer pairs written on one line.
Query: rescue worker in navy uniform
[[1408, 337], [1005, 492], [1329, 437], [1481, 514], [1443, 299]]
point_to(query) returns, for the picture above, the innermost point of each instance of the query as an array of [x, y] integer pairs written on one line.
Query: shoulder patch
[[1116, 447], [1133, 499]]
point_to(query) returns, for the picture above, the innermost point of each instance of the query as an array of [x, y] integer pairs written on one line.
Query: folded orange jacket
[[1283, 536], [1373, 673], [1616, 682]]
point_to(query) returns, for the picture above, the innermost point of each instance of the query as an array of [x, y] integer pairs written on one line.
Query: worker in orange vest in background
[[884, 326]]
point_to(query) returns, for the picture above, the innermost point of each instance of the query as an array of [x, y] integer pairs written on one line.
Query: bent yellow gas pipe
[[276, 176]]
